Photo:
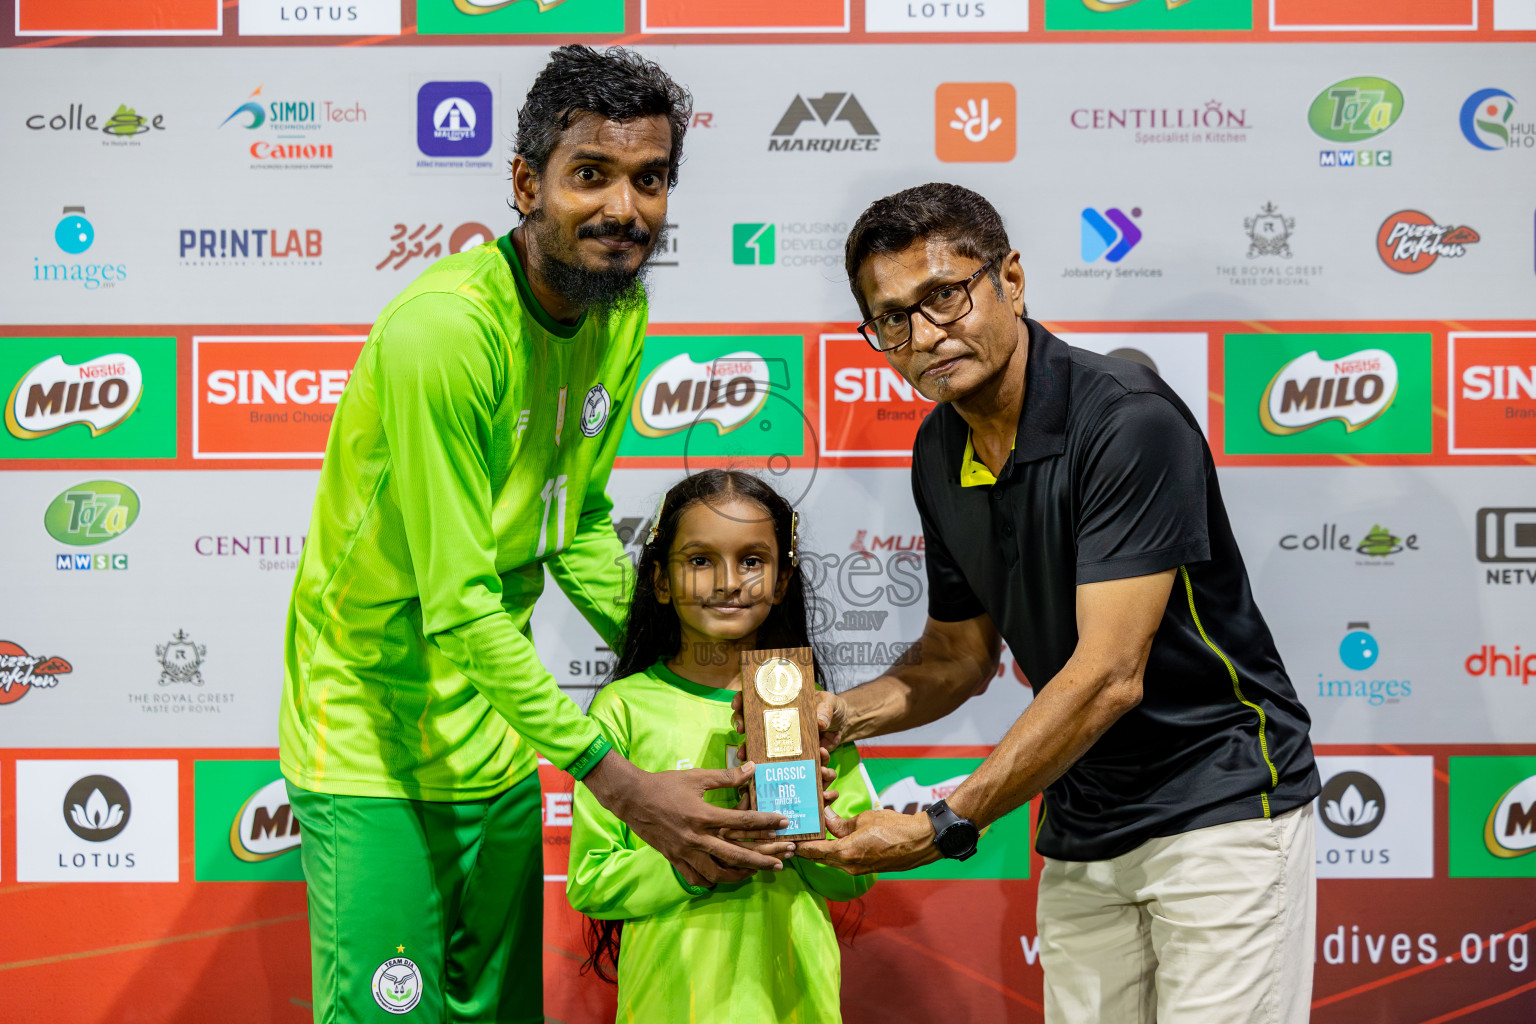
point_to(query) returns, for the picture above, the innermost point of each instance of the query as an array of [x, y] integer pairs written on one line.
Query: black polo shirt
[[1111, 478]]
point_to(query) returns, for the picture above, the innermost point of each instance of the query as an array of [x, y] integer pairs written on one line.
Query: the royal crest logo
[[397, 985], [1269, 233], [181, 660], [1511, 827], [727, 391], [265, 827], [1410, 241], [20, 672], [594, 411], [100, 393], [1309, 390]]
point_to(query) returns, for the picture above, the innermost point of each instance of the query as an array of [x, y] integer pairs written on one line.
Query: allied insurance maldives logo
[[89, 398], [1327, 393]]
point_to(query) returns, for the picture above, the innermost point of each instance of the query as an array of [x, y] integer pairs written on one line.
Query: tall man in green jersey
[[471, 451]]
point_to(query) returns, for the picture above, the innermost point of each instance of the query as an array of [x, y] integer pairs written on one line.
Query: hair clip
[[794, 538], [656, 521]]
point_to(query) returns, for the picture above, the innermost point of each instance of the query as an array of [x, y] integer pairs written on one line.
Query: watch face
[[958, 840]]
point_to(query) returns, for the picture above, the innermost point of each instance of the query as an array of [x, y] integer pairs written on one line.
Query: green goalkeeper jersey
[[761, 951], [470, 450]]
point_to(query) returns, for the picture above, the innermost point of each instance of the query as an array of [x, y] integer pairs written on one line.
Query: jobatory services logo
[[119, 18], [74, 235], [1376, 816], [268, 397], [429, 242], [250, 247], [92, 398], [1327, 393], [455, 126], [732, 16], [912, 784], [290, 132], [946, 16], [1492, 392], [244, 828], [1409, 241], [1210, 121], [1110, 235], [123, 127], [1267, 262], [1487, 122], [975, 122], [21, 673], [96, 821], [1359, 652], [1353, 111], [867, 409], [520, 17], [836, 123], [1492, 817], [1506, 541], [296, 18]]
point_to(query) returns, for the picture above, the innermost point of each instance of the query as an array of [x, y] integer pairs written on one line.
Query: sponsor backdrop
[[1328, 251]]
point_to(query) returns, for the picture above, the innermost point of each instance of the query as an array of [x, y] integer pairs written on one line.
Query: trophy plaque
[[778, 688]]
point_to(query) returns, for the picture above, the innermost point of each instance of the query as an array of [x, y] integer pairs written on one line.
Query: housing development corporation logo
[[788, 244], [1410, 241], [975, 122], [21, 672], [100, 393], [97, 808], [753, 245], [1492, 392], [74, 235], [1308, 390], [1487, 122], [1353, 111], [837, 123]]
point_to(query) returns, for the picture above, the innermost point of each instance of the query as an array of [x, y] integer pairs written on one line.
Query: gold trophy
[[778, 706]]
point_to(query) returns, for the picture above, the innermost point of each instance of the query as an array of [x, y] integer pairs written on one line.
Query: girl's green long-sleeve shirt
[[470, 451], [761, 951]]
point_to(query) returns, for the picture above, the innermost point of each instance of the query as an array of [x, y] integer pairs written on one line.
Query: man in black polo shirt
[[1070, 507]]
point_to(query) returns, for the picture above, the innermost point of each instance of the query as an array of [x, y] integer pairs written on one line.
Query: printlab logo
[[1353, 111], [830, 110], [397, 985], [97, 808], [21, 672], [1353, 805], [181, 660], [1410, 241], [74, 235], [244, 247], [427, 244], [453, 121], [122, 128], [1110, 235], [975, 122], [1487, 122]]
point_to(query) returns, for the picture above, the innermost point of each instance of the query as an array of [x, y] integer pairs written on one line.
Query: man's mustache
[[635, 232]]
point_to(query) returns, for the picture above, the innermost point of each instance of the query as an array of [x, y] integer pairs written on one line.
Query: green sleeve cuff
[[691, 890], [589, 757]]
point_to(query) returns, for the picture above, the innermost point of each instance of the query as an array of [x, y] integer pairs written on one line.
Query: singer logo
[[1310, 390], [871, 410], [974, 122], [1493, 393], [1488, 661], [267, 398], [100, 393]]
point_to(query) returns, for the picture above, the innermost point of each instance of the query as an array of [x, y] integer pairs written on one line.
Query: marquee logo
[[828, 109], [1410, 241], [1310, 390], [1355, 109], [1511, 827], [265, 826], [20, 672], [727, 391], [100, 393], [91, 513], [1492, 393]]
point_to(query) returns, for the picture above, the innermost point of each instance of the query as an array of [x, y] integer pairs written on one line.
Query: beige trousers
[[1215, 926]]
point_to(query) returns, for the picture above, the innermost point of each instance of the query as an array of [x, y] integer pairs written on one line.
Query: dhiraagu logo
[[1355, 109], [911, 784], [718, 396], [88, 398], [1319, 394]]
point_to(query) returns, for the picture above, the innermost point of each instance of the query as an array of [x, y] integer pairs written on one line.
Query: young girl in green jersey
[[717, 576]]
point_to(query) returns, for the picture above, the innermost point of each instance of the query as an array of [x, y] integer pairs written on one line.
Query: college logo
[[100, 393], [1493, 393], [352, 18], [97, 808], [119, 17], [122, 127], [454, 119], [1147, 15], [91, 513], [1492, 817], [181, 660], [1353, 805], [1324, 394], [427, 244], [867, 408], [1379, 543], [1110, 234], [826, 110], [975, 122], [1410, 241], [74, 235], [20, 672], [267, 397], [1488, 660], [1487, 122], [522, 17], [397, 985], [594, 411]]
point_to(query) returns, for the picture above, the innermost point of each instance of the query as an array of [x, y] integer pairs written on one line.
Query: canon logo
[[256, 387]]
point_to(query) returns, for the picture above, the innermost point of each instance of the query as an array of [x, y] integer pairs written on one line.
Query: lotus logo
[[100, 393], [266, 826], [1353, 804], [1355, 109], [1511, 827], [1309, 390], [97, 808], [727, 391], [397, 985]]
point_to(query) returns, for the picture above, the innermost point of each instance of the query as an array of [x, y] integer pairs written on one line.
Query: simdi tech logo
[[94, 398], [975, 122], [1492, 817], [519, 17], [1492, 392], [74, 235], [268, 397], [1316, 394], [718, 396], [1353, 111], [244, 828], [21, 673], [1147, 15], [285, 129]]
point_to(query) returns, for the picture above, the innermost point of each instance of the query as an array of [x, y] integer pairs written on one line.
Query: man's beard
[[612, 290]]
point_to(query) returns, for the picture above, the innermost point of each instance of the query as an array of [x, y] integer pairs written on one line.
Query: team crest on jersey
[[397, 985], [594, 411]]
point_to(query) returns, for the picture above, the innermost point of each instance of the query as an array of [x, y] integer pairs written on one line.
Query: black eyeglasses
[[940, 307]]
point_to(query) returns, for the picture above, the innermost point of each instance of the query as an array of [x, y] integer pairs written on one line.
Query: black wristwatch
[[953, 835]]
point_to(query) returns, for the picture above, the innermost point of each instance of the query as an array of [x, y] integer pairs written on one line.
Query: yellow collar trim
[[974, 472]]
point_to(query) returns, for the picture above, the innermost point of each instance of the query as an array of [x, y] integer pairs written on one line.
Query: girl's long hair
[[652, 632]]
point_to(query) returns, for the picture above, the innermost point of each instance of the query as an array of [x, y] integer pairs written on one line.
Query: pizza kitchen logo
[[727, 391], [1410, 241], [21, 672], [100, 393], [1355, 390]]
